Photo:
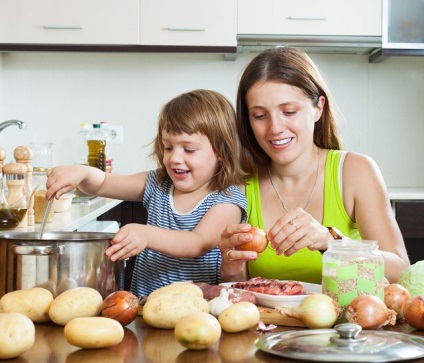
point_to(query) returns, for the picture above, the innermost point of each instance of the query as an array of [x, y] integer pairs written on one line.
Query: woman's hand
[[232, 258], [127, 242], [296, 230]]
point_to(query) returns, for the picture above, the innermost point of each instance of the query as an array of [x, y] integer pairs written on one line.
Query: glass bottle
[[351, 268], [83, 133], [14, 213], [104, 126], [96, 148], [39, 177]]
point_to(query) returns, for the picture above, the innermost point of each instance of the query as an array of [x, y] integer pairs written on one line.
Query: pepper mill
[[16, 198], [23, 155]]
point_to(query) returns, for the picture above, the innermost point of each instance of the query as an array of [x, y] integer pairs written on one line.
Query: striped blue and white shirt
[[153, 269]]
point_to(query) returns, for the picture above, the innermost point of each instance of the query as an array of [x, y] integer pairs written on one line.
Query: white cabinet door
[[310, 17], [69, 22], [188, 22]]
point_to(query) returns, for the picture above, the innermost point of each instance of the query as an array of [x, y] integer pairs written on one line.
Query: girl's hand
[[232, 258], [296, 230], [62, 179], [127, 242]]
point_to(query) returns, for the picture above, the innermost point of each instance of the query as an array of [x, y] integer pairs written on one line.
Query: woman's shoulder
[[355, 161]]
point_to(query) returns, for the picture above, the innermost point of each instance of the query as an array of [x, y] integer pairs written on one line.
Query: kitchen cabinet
[[188, 23], [125, 213], [69, 22], [410, 216], [310, 17]]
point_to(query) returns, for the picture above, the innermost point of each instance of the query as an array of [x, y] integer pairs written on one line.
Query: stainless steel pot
[[58, 262]]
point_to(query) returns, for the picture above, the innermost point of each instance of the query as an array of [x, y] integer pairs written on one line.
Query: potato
[[34, 303], [238, 317], [164, 311], [17, 334], [75, 303], [185, 288], [197, 331], [94, 332]]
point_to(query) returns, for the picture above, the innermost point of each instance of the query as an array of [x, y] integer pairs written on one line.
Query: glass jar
[[39, 178], [351, 268]]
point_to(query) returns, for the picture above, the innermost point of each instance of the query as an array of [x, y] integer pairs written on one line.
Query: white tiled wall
[[382, 104]]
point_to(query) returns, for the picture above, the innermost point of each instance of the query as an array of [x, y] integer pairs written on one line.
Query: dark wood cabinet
[[125, 213], [410, 217]]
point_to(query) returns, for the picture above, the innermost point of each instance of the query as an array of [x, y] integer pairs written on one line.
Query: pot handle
[[38, 250]]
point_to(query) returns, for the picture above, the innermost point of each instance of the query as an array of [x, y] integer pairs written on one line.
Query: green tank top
[[304, 265]]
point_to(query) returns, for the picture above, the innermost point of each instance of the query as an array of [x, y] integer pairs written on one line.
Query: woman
[[302, 189]]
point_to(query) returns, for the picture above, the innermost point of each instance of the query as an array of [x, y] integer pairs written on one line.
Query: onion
[[122, 306], [369, 312], [395, 297], [413, 312], [316, 311]]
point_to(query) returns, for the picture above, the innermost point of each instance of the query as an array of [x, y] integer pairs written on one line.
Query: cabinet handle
[[306, 18], [186, 29], [69, 27]]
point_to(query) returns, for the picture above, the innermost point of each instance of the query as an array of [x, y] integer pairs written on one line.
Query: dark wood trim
[[115, 48]]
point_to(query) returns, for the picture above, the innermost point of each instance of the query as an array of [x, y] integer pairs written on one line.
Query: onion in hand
[[122, 306], [413, 312], [369, 312], [316, 311], [258, 243], [395, 297]]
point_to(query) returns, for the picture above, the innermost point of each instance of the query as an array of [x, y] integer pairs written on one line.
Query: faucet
[[20, 124]]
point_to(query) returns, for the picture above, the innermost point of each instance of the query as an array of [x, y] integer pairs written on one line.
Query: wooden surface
[[143, 344]]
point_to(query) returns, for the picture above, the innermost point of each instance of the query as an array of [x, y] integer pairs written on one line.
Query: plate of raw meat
[[272, 293]]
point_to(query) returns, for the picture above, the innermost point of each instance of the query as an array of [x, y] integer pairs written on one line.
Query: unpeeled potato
[[94, 332], [165, 310], [75, 303], [34, 303], [185, 288], [239, 316], [197, 331], [17, 334]]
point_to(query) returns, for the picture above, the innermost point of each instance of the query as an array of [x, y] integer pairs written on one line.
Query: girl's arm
[[62, 179], [133, 238], [367, 202]]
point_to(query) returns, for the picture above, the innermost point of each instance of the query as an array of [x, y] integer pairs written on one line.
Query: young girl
[[190, 198]]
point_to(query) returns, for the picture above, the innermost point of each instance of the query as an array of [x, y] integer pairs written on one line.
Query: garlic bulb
[[219, 303]]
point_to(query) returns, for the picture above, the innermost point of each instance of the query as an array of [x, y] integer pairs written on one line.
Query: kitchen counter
[[76, 217], [396, 194], [143, 344]]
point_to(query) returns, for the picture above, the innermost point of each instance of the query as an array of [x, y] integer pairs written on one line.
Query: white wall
[[382, 104]]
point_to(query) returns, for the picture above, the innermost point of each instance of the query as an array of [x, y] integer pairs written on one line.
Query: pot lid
[[345, 343]]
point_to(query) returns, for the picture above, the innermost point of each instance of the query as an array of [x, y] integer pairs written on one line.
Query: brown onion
[[122, 306], [413, 312], [369, 312], [395, 297]]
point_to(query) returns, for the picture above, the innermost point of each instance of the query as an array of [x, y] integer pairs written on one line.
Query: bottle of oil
[[104, 126], [96, 148]]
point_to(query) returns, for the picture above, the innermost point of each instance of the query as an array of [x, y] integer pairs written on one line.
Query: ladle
[[45, 215]]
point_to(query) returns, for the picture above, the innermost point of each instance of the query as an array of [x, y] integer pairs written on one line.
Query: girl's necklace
[[310, 195]]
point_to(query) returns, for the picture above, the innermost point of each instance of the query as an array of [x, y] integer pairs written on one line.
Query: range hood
[[363, 45]]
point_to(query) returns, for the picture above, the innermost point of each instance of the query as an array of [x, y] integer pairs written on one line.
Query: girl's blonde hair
[[294, 67], [211, 114]]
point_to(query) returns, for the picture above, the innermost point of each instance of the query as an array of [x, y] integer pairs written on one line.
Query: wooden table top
[[143, 344]]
